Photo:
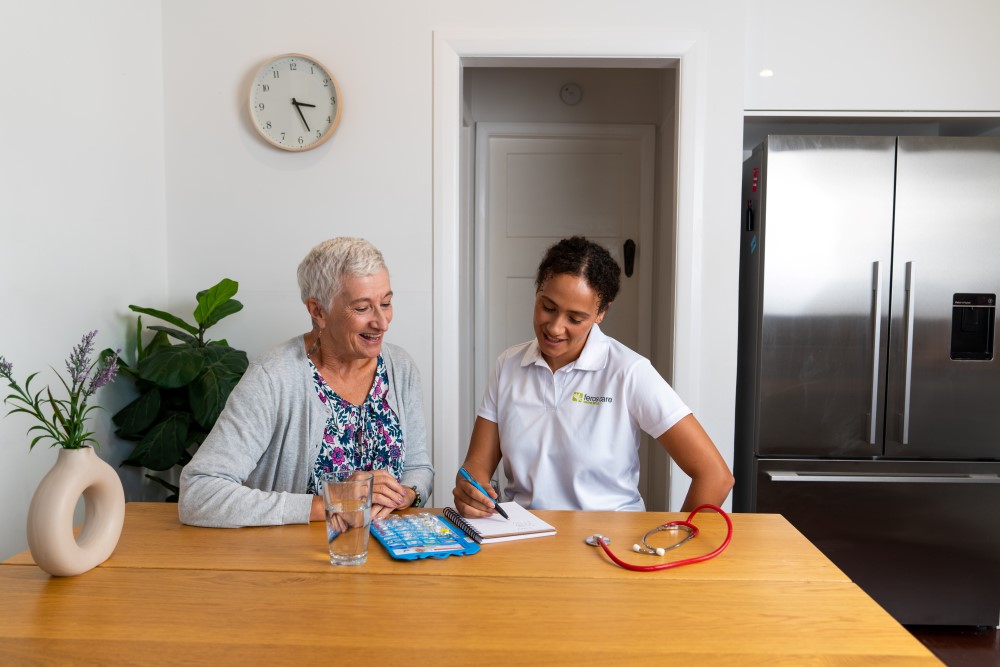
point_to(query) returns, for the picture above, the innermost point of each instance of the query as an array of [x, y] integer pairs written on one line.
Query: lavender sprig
[[78, 363], [106, 375]]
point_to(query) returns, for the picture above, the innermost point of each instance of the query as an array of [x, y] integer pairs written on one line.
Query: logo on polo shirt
[[581, 397]]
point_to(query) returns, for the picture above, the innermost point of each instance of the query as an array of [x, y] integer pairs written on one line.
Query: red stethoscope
[[684, 525]]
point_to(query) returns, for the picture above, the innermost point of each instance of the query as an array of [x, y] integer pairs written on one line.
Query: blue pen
[[464, 473]]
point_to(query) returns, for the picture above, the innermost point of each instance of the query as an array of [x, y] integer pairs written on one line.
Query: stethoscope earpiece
[[658, 551]]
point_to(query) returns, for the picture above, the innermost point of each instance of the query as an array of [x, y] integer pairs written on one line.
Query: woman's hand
[[388, 494], [480, 462], [469, 501]]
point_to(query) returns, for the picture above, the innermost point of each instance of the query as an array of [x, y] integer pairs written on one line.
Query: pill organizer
[[423, 535]]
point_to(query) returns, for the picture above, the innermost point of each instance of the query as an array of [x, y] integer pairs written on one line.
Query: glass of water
[[347, 496]]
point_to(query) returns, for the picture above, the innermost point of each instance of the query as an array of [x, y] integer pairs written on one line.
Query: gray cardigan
[[253, 468]]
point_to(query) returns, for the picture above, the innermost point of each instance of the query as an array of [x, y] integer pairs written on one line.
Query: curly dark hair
[[578, 256]]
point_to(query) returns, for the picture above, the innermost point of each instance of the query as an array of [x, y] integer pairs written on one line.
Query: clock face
[[294, 102]]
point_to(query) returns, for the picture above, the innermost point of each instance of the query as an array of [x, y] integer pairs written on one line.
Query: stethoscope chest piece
[[592, 540]]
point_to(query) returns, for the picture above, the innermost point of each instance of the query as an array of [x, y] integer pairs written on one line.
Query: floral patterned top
[[358, 437]]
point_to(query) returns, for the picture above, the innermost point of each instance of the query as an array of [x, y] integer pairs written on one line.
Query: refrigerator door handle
[[908, 362], [901, 478], [876, 345]]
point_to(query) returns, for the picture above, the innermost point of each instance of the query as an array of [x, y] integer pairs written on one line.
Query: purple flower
[[328, 437], [107, 373], [6, 367], [337, 456], [78, 363]]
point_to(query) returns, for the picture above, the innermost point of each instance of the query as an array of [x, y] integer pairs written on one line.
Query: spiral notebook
[[521, 525]]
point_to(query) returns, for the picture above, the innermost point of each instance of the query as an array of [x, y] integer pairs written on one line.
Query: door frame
[[451, 52]]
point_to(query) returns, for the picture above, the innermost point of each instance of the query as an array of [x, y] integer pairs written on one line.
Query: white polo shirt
[[570, 439]]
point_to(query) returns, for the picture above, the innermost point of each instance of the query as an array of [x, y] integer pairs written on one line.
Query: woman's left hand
[[388, 494]]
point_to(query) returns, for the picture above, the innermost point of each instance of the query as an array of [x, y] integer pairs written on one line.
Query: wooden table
[[173, 593]]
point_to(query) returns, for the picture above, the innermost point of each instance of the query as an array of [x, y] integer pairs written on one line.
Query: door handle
[[876, 344], [629, 252], [911, 302], [891, 478]]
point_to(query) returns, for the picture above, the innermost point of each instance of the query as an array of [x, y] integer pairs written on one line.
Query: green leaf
[[167, 317], [161, 339], [176, 333], [212, 298], [224, 309], [172, 366], [163, 445], [57, 413], [138, 338], [223, 369], [138, 415]]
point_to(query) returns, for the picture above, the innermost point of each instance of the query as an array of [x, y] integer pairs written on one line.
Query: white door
[[537, 183]]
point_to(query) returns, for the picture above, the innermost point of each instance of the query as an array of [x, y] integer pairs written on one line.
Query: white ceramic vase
[[50, 517]]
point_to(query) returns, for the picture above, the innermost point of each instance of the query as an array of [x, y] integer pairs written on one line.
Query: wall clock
[[294, 102]]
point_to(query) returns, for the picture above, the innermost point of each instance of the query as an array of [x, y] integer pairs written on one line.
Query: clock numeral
[[265, 88], [282, 136], [267, 125], [275, 74], [329, 120], [260, 106], [333, 98], [301, 141], [311, 70], [293, 66], [319, 135], [326, 83]]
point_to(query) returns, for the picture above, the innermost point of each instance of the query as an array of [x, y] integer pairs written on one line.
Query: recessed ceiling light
[[766, 73]]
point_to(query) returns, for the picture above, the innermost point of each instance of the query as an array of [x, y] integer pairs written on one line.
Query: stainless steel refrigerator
[[868, 394]]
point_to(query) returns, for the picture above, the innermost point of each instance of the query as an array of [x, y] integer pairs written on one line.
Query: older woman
[[564, 411], [336, 398]]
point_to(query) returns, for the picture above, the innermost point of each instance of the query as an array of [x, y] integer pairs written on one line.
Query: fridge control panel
[[973, 317]]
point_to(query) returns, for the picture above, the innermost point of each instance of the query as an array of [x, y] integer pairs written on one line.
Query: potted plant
[[77, 471], [183, 385]]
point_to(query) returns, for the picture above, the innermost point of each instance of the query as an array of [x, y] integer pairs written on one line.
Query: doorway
[[519, 121]]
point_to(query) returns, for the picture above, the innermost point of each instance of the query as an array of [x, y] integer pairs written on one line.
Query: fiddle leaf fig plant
[[183, 379]]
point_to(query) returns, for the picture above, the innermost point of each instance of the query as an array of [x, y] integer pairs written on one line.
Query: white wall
[[240, 208], [858, 55], [82, 225]]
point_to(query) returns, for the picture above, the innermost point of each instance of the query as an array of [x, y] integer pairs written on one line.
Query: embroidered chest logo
[[587, 399]]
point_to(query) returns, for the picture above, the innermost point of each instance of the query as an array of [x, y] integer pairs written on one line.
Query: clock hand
[[297, 105]]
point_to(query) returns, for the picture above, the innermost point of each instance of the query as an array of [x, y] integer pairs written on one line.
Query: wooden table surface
[[764, 547], [176, 594]]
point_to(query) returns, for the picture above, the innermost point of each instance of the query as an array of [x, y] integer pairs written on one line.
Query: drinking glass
[[347, 497]]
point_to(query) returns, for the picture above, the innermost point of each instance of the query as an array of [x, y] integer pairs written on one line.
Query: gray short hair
[[321, 272]]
